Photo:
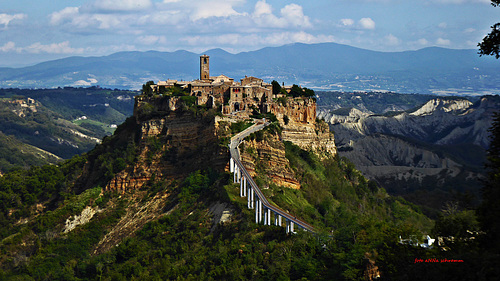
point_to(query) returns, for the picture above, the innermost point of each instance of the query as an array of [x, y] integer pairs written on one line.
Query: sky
[[34, 31]]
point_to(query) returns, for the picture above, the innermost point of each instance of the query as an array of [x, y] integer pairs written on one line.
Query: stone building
[[237, 98]]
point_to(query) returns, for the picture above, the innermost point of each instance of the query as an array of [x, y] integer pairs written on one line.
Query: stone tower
[[204, 67]]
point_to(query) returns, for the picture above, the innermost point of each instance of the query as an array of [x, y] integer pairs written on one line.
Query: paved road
[[235, 154]]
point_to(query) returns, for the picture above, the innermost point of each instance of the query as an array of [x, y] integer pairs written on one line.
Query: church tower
[[204, 67]]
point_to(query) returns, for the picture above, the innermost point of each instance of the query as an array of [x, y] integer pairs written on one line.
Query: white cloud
[[9, 47], [275, 39], [443, 25], [65, 14], [262, 8], [55, 48], [151, 40], [422, 41], [37, 48], [213, 8], [367, 23], [347, 22], [120, 5], [82, 20], [392, 40], [295, 15], [85, 83], [470, 30], [443, 42], [5, 19]]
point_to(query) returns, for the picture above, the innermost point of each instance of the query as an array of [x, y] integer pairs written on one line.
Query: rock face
[[167, 145], [298, 119], [171, 147], [439, 121], [171, 141], [438, 146], [269, 155]]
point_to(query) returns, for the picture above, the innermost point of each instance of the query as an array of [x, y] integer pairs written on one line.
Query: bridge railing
[[248, 188]]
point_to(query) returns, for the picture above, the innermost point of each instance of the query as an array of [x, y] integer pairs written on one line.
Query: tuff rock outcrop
[[300, 126], [269, 154]]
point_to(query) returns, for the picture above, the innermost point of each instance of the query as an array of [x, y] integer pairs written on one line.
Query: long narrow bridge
[[248, 188]]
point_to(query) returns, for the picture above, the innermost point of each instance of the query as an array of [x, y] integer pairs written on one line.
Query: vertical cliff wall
[[297, 116]]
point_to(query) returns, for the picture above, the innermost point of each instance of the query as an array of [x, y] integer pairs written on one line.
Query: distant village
[[222, 91]]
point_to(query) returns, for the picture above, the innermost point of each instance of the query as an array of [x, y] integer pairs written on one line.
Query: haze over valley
[[326, 66]]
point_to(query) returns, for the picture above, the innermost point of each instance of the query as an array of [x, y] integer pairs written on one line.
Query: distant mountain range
[[326, 66]]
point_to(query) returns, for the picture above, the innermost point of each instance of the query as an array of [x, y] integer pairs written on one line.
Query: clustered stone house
[[235, 97]]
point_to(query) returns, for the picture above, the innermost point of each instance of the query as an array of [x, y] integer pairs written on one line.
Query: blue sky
[[34, 31]]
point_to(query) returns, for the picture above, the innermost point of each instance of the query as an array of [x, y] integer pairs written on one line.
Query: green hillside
[[42, 126], [174, 234]]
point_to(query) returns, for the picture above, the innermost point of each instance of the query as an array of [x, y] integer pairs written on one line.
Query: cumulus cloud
[[347, 22], [295, 15], [258, 39], [213, 8], [9, 47], [5, 19], [55, 48], [37, 48], [291, 15], [391, 40], [78, 19], [367, 23], [262, 8], [422, 41], [443, 42]]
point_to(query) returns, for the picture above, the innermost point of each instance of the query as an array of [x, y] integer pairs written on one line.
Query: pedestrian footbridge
[[264, 212]]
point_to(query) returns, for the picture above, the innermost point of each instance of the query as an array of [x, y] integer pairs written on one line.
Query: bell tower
[[204, 67]]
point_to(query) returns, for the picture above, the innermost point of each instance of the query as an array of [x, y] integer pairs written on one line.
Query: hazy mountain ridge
[[324, 66]]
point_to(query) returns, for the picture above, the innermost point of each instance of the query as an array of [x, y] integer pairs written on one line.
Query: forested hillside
[[52, 229], [43, 126]]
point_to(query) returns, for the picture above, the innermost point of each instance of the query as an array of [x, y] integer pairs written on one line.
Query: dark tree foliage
[[489, 211], [276, 87], [297, 91], [491, 43]]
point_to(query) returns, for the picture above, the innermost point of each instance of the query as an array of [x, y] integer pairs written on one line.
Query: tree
[[491, 43], [489, 211], [276, 87]]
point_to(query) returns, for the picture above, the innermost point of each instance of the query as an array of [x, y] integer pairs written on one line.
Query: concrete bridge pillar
[[252, 195], [231, 165], [244, 186], [257, 211], [234, 173], [265, 216], [242, 191], [260, 210]]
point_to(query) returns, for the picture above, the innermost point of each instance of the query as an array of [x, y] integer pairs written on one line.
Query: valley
[[430, 150], [143, 185]]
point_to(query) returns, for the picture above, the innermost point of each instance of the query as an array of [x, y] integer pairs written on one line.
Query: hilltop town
[[242, 98]]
